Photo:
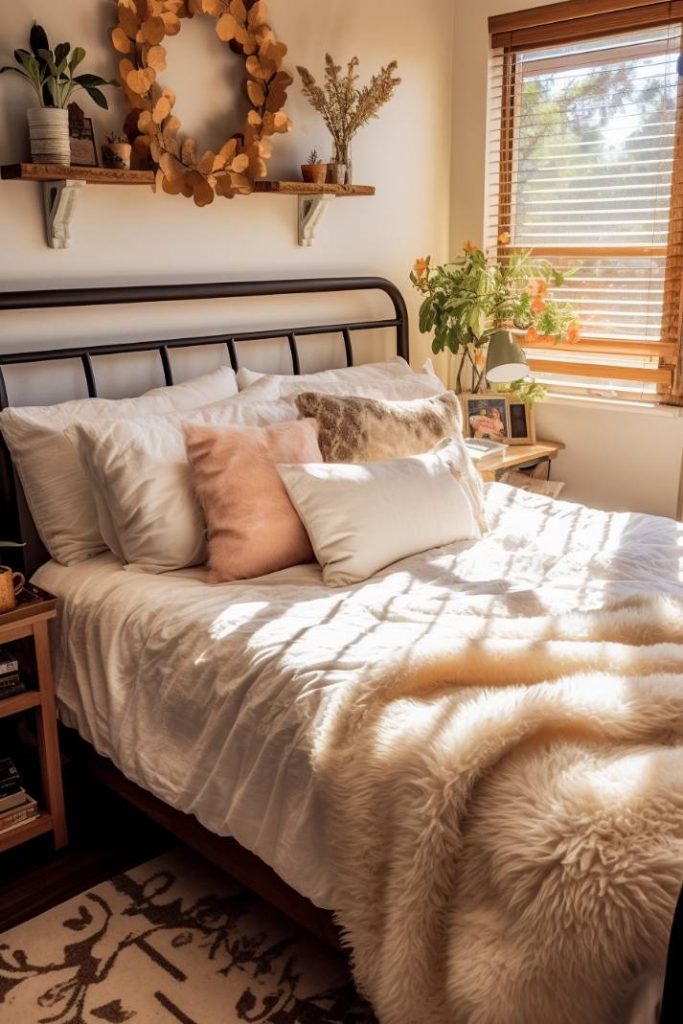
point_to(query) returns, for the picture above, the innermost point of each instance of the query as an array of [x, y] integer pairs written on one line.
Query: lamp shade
[[505, 360]]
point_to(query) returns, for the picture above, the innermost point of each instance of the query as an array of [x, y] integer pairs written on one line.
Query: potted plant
[[11, 583], [315, 171], [468, 300], [116, 152], [345, 108], [52, 76]]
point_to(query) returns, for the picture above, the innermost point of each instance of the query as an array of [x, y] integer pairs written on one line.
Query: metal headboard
[[17, 522]]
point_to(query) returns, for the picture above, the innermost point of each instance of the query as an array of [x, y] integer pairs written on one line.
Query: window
[[585, 168]]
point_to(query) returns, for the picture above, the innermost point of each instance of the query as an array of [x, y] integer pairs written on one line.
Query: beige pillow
[[55, 483], [140, 477], [366, 429], [394, 381], [361, 518]]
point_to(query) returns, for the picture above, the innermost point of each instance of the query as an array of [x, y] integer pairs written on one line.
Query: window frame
[[573, 21]]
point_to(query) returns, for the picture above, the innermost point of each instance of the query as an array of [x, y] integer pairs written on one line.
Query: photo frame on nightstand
[[485, 416], [497, 416], [521, 426]]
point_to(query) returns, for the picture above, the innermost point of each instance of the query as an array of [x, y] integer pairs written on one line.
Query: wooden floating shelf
[[304, 188], [90, 175], [61, 185], [111, 176]]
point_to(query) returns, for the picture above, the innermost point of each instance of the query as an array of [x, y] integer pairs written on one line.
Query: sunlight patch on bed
[[232, 618]]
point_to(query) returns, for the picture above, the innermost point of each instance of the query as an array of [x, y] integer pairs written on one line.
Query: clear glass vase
[[342, 155]]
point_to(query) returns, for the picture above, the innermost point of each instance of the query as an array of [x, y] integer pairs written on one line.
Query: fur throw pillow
[[368, 429]]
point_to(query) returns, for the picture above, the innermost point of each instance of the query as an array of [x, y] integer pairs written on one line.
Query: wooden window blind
[[585, 168]]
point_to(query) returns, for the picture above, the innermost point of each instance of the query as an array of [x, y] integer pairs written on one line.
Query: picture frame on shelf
[[522, 428], [82, 138], [485, 416]]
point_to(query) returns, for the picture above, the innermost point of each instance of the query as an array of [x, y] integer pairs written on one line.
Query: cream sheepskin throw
[[506, 813]]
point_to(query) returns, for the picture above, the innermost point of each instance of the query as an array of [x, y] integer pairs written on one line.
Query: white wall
[[615, 457], [128, 235]]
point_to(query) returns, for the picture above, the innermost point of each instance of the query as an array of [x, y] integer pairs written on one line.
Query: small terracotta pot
[[314, 173], [11, 584], [117, 155]]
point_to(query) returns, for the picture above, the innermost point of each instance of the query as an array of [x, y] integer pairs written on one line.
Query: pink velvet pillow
[[252, 526]]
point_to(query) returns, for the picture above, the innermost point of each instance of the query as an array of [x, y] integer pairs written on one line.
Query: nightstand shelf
[[29, 621], [22, 702], [520, 455], [31, 830]]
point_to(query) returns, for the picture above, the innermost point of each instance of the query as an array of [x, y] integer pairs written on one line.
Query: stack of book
[[16, 806], [11, 682]]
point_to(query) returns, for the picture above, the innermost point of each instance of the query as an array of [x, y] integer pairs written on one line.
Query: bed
[[317, 728]]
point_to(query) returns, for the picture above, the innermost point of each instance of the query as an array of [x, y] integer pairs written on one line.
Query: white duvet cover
[[211, 696]]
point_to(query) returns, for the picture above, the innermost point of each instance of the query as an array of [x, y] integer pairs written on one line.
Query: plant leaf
[[62, 51], [28, 62], [77, 56], [99, 98], [38, 39], [48, 58], [88, 80]]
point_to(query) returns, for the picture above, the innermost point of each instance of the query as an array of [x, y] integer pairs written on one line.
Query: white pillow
[[393, 380], [141, 479], [56, 487], [361, 517]]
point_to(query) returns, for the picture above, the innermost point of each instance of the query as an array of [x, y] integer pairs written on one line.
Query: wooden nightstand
[[29, 621], [519, 455]]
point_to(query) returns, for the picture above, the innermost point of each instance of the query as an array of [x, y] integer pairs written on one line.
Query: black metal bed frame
[[17, 522]]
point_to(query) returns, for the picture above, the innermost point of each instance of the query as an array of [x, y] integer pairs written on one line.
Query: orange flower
[[537, 288], [421, 266], [537, 305], [573, 333], [504, 238], [471, 247]]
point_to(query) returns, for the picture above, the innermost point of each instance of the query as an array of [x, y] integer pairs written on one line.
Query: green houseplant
[[314, 170], [52, 76], [465, 301]]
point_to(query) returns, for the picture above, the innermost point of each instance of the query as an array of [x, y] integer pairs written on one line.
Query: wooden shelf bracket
[[59, 202], [311, 210], [60, 184]]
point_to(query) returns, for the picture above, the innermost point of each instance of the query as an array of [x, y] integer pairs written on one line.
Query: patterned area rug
[[171, 942]]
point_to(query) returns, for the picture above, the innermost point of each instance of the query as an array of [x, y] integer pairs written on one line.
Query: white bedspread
[[211, 696]]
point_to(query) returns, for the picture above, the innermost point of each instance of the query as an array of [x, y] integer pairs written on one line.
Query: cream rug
[[171, 942]]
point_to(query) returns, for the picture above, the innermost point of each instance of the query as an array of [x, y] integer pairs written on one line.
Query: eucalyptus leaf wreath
[[152, 127]]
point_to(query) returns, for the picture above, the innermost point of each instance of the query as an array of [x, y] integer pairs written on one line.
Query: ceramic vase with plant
[[464, 302], [52, 76], [315, 171], [116, 152], [11, 582], [345, 108]]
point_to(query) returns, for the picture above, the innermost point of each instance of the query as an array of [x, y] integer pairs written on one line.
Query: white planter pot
[[49, 134]]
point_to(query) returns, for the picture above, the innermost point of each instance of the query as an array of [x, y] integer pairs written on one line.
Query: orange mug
[[11, 585]]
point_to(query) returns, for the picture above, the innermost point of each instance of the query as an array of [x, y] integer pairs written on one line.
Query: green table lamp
[[505, 360]]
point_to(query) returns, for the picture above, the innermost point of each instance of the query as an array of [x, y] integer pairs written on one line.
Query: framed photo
[[520, 422], [485, 415], [81, 138]]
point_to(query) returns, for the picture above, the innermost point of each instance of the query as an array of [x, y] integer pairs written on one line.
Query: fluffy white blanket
[[507, 811]]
